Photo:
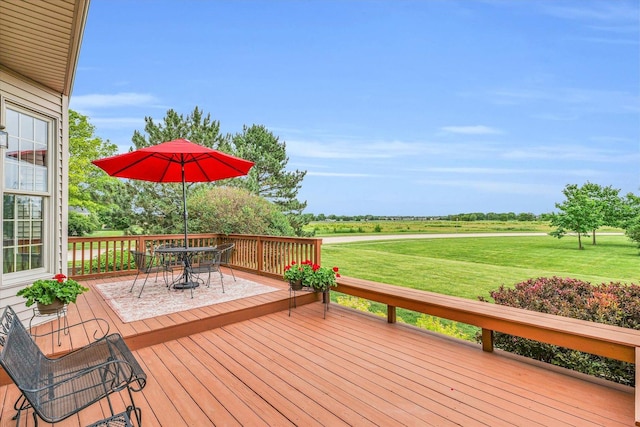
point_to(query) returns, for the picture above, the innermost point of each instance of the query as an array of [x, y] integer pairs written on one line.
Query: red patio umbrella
[[179, 160]]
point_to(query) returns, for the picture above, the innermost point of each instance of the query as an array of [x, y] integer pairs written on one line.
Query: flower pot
[[50, 308], [295, 285]]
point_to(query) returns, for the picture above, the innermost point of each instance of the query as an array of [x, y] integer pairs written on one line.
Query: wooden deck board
[[399, 376], [347, 369]]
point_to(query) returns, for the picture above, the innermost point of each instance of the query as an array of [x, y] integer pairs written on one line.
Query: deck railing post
[[637, 388], [317, 247], [260, 260], [391, 314], [487, 340]]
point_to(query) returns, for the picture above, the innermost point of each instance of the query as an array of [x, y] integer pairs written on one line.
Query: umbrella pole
[[184, 205], [187, 259]]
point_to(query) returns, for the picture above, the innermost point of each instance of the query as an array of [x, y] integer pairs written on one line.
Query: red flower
[[60, 277], [311, 274]]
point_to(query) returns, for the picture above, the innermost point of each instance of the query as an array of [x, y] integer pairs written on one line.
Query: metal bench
[[57, 388]]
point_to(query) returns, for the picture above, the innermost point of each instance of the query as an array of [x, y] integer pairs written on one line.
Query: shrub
[[613, 304], [80, 224], [424, 321], [111, 261], [436, 324], [229, 210]]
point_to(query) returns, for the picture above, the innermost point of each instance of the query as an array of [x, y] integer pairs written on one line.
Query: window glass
[[8, 207], [8, 233], [40, 131], [22, 233], [9, 260], [13, 120], [27, 158], [26, 188], [26, 127], [36, 257]]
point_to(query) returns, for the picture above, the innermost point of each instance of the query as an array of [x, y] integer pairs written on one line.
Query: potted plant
[[52, 294], [293, 273], [311, 275]]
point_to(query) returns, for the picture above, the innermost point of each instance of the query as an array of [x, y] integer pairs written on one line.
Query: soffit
[[41, 39]]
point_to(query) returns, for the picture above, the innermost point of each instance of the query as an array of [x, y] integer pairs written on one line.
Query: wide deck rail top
[[590, 337]]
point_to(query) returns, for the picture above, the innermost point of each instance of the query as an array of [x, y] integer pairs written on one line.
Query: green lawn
[[107, 233], [471, 267], [332, 228]]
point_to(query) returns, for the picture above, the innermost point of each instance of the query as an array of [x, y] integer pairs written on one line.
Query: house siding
[[19, 91]]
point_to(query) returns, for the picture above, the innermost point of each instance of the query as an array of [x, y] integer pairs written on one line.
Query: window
[[26, 190]]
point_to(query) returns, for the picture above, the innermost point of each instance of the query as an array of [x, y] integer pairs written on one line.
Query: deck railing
[[268, 255], [92, 257], [591, 337]]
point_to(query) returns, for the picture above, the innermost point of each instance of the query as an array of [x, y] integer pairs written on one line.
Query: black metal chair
[[145, 264], [168, 262], [58, 388], [208, 262], [226, 250]]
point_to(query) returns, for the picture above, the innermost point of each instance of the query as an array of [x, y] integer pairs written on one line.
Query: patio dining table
[[186, 254]]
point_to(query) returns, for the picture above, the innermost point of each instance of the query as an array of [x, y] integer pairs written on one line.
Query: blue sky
[[393, 107]]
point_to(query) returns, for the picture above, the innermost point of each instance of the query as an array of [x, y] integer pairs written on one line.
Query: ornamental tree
[[631, 217], [579, 213], [608, 204]]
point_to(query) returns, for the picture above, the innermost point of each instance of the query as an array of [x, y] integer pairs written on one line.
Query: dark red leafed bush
[[613, 303]]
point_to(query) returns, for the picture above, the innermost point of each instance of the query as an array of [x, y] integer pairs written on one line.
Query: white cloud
[[340, 174], [354, 150], [472, 130], [512, 171], [494, 186], [570, 152], [579, 99], [124, 99], [604, 11], [117, 122]]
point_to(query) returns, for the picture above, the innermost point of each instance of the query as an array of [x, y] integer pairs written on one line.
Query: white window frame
[[48, 224]]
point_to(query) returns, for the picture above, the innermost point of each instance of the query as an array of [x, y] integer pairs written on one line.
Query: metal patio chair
[[207, 263], [226, 250], [146, 264], [57, 388], [168, 262]]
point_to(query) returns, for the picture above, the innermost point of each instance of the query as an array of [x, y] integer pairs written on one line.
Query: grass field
[[472, 267], [329, 228]]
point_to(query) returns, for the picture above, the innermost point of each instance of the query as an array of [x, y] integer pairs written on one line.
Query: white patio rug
[[156, 300]]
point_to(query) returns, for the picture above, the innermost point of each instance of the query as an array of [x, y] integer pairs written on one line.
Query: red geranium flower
[[311, 275]]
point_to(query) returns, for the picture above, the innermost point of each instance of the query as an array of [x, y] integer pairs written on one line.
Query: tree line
[[262, 202], [475, 216]]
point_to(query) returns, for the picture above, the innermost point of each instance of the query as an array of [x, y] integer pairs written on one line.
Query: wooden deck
[[249, 363]]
